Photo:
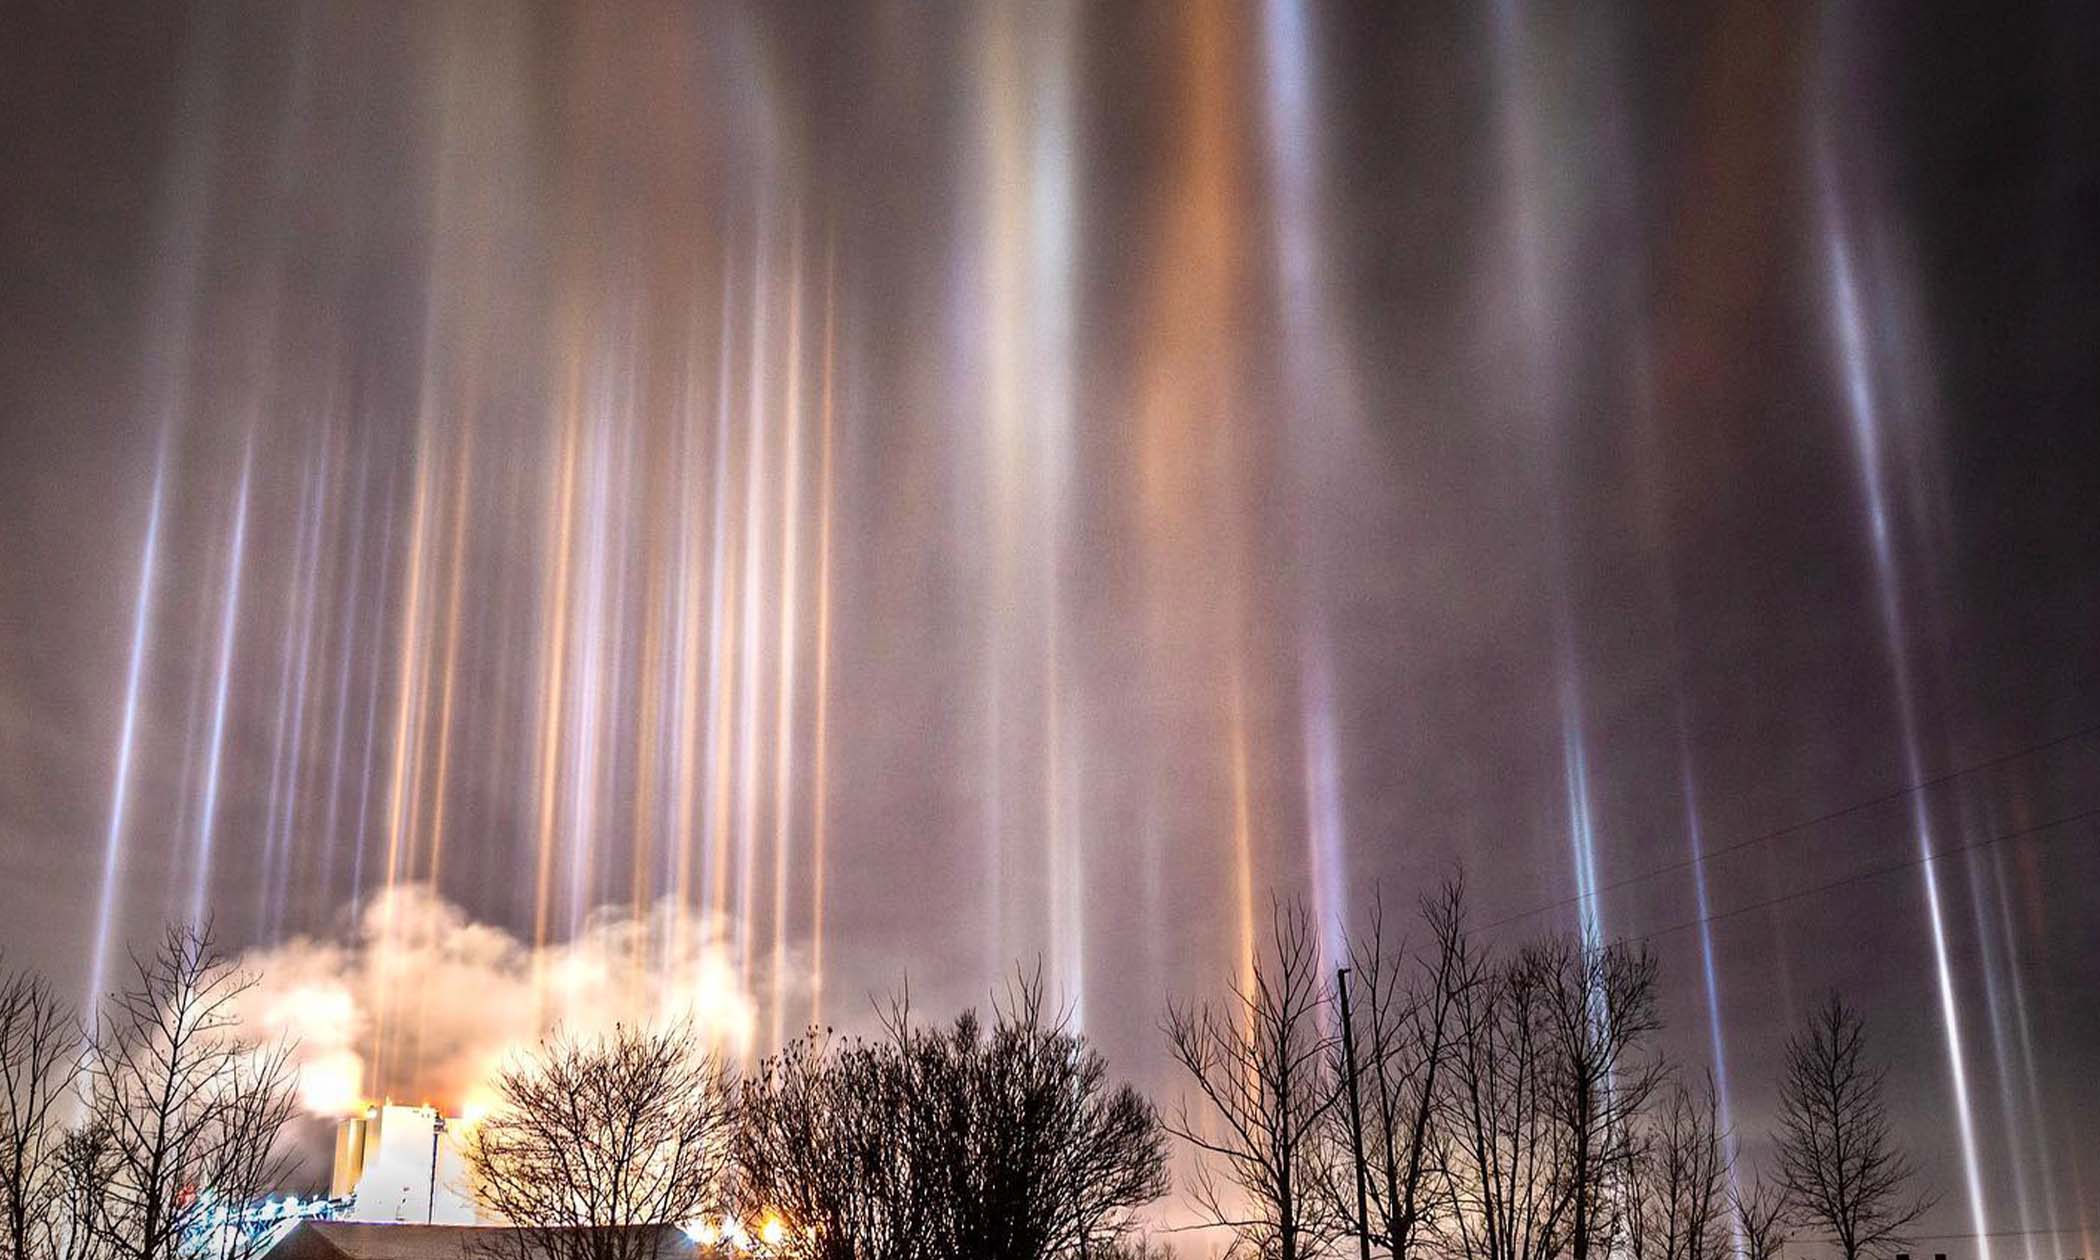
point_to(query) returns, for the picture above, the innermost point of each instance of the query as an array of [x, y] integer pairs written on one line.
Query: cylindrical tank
[[349, 1156]]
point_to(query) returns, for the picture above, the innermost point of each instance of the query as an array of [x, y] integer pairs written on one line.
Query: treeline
[[1477, 1105], [145, 1134], [998, 1139], [1440, 1100]]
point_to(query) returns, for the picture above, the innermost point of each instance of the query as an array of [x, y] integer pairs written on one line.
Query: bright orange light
[[772, 1231], [476, 1106], [329, 1086]]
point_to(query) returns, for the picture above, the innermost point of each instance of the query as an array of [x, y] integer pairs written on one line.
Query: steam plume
[[422, 1004]]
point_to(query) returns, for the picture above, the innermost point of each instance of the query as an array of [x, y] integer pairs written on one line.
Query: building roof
[[344, 1240]]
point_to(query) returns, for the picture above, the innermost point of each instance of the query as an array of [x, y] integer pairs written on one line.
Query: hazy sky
[[929, 486]]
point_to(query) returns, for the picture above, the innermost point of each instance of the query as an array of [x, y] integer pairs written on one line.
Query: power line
[[1875, 873], [1766, 837], [1996, 1233]]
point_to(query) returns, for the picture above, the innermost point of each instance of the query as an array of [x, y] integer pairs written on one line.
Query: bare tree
[[1679, 1182], [1135, 1248], [1005, 1142], [827, 1137], [1057, 1159], [1759, 1218], [1507, 1165], [1407, 1034], [594, 1140], [1838, 1163], [1600, 1006], [40, 1062], [184, 1112], [83, 1164], [1263, 1067]]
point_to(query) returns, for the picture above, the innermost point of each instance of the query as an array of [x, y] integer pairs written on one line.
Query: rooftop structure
[[402, 1165]]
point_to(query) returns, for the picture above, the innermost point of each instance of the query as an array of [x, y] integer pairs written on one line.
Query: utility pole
[[1356, 1116], [437, 1135]]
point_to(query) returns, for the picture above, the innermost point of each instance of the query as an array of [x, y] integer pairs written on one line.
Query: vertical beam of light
[[1190, 450], [506, 620], [1538, 317], [229, 621], [1322, 402], [432, 865], [1717, 1037], [1324, 833], [284, 739], [375, 682], [1026, 240], [784, 705], [1695, 831], [561, 541], [2023, 1035], [720, 626], [587, 720], [182, 224], [299, 887], [509, 621], [346, 655], [748, 751], [1981, 904], [405, 757], [193, 722], [680, 834], [658, 679], [306, 610], [408, 694], [127, 734], [1582, 837], [1242, 838], [820, 766], [1866, 422], [606, 769], [677, 872], [1006, 176], [455, 579], [1053, 232], [287, 652]]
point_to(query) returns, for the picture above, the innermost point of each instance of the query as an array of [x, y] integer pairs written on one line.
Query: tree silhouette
[[1004, 1141], [185, 1112], [1407, 1023], [1838, 1163], [595, 1141], [1759, 1217], [1679, 1180], [40, 1062], [1262, 1064]]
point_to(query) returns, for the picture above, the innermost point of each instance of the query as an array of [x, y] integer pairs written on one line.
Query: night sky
[[812, 493]]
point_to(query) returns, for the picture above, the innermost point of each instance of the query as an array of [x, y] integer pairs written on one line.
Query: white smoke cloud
[[423, 1004]]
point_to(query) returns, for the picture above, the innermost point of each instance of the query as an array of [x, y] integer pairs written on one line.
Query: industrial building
[[397, 1165]]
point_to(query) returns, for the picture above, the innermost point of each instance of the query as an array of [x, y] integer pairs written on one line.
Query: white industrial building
[[402, 1166]]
